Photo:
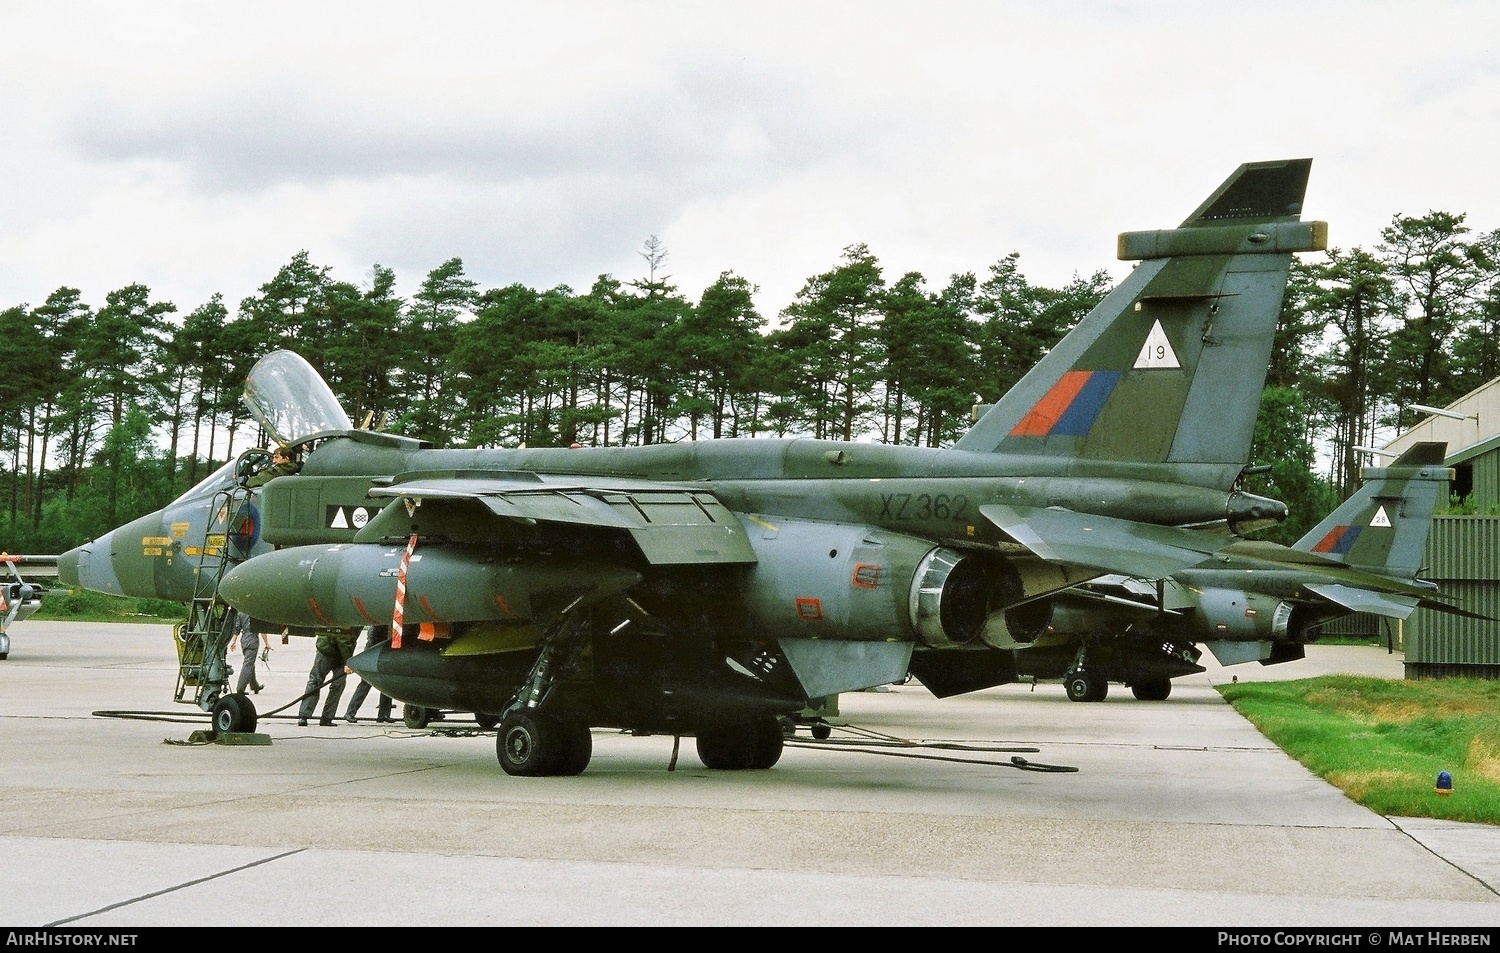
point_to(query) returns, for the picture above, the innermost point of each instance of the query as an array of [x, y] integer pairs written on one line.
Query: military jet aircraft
[[713, 588], [1251, 601]]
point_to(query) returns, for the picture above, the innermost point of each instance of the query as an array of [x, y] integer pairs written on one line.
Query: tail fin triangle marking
[[1157, 351]]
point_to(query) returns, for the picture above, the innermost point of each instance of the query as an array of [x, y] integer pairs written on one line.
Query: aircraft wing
[[1143, 550], [670, 524]]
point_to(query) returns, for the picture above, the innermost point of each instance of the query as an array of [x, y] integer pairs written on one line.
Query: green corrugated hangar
[[1463, 554]]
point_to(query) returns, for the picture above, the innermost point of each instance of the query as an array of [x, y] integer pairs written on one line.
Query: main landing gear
[[1151, 689], [1085, 685], [234, 713], [532, 744], [753, 745]]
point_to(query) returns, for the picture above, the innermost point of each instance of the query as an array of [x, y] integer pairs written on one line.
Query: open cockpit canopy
[[290, 400]]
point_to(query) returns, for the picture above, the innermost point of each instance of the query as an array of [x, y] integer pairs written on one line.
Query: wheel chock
[[228, 738]]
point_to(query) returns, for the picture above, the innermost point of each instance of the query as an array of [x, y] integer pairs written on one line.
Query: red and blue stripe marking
[[1338, 540], [1070, 407]]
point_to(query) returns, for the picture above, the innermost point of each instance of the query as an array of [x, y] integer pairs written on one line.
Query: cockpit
[[291, 401]]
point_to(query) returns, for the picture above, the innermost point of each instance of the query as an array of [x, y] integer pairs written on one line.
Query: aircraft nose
[[89, 567], [67, 565]]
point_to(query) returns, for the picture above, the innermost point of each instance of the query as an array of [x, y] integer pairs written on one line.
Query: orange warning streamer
[[411, 544]]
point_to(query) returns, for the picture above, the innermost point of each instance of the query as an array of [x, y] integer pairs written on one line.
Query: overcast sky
[[196, 147]]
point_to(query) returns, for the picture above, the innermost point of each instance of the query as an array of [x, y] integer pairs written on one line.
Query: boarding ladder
[[203, 640]]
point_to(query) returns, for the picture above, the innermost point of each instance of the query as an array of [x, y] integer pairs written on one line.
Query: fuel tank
[[349, 585]]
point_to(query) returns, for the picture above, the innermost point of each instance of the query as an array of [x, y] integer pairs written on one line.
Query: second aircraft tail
[[1383, 527]]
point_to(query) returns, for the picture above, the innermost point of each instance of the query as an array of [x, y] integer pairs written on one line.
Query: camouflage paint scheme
[[716, 588]]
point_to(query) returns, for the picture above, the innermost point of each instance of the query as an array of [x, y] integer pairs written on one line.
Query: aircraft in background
[[18, 598], [715, 588], [1253, 601]]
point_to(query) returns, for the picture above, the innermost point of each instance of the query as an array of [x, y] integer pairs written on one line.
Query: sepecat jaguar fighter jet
[[713, 589]]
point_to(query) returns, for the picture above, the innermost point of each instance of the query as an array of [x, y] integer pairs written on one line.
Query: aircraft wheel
[[765, 744], [721, 747], [747, 745], [486, 720], [4, 647], [822, 730], [1085, 686], [577, 747], [1152, 689], [415, 716], [529, 744], [234, 713]]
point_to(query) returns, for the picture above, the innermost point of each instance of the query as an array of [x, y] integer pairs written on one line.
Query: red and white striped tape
[[400, 610]]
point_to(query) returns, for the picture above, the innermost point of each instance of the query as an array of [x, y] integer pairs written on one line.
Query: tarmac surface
[[915, 812]]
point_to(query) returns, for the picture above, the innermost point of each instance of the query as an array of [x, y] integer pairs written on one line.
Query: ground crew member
[[333, 652]]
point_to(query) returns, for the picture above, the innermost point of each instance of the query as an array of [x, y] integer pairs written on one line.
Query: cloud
[[196, 147]]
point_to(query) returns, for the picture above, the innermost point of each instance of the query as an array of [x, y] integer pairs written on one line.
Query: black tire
[[578, 747], [1085, 686], [1152, 689], [753, 745], [822, 731], [528, 744], [415, 716], [486, 720], [765, 744], [722, 747], [234, 713]]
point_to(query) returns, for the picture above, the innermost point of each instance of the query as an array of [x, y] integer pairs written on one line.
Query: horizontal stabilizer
[[1363, 600], [1112, 545], [1447, 608], [1275, 556]]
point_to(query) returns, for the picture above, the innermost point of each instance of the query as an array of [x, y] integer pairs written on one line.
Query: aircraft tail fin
[[1169, 367], [1384, 526]]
